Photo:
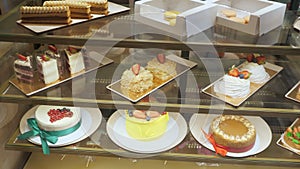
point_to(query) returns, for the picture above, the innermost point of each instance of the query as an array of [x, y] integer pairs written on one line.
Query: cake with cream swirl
[[233, 133], [255, 66]]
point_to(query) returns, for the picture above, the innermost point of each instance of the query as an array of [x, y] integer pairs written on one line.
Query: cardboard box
[[264, 15], [195, 15]]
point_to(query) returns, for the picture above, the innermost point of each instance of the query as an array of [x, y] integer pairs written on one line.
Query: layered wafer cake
[[45, 14], [97, 6], [78, 9]]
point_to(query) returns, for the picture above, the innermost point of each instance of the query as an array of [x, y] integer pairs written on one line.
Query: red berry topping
[[161, 58], [52, 48], [22, 57], [233, 71], [58, 114], [261, 60], [45, 58], [136, 69], [250, 57]]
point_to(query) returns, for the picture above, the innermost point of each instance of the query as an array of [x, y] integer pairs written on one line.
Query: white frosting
[[75, 61], [43, 119], [137, 83], [164, 70], [258, 72], [26, 63], [233, 86], [48, 69]]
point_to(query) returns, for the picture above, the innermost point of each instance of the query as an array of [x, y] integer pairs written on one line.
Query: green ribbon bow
[[46, 136]]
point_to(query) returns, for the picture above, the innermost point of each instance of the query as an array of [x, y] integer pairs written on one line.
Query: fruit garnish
[[261, 60], [73, 50], [161, 58], [250, 57], [58, 114], [45, 57], [244, 74], [136, 69], [233, 71], [22, 57], [52, 48]]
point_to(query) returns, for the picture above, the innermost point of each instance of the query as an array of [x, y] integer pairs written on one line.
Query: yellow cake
[[146, 125], [233, 133]]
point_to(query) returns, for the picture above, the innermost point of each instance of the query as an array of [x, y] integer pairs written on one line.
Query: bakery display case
[[118, 41]]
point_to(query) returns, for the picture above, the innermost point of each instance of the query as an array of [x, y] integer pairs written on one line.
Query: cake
[[228, 13], [162, 69], [256, 68], [75, 61], [45, 14], [23, 69], [58, 118], [235, 83], [146, 125], [79, 10], [136, 81], [233, 133], [53, 52], [291, 136], [47, 69], [97, 6]]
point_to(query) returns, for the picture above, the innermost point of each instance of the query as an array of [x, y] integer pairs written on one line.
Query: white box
[[264, 15], [195, 15]]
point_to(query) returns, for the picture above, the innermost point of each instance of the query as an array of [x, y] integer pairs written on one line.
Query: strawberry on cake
[[235, 83], [255, 67], [24, 69], [47, 69], [162, 69], [136, 81]]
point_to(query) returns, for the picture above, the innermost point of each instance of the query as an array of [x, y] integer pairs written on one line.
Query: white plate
[[175, 133], [263, 133], [90, 121]]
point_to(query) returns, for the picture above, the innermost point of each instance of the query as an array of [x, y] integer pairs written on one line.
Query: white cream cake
[[47, 68], [75, 61]]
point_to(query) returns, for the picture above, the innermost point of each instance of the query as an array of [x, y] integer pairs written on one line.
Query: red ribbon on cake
[[211, 139]]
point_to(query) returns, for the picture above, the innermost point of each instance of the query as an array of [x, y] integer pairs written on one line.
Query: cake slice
[[53, 52], [75, 61], [80, 10], [47, 69], [23, 68], [97, 6]]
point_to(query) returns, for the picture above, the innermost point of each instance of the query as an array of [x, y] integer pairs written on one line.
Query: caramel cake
[[98, 6], [80, 10], [233, 133], [43, 14]]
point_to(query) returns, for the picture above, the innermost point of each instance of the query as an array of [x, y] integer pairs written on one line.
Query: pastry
[[233, 133], [75, 61], [162, 69], [57, 118], [24, 69], [291, 136], [136, 81], [237, 19], [235, 83], [255, 67], [228, 13], [146, 125], [78, 9], [42, 14], [47, 69], [98, 6], [171, 16]]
